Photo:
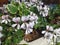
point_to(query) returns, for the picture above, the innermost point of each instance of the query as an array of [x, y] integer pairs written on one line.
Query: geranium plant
[[14, 23]]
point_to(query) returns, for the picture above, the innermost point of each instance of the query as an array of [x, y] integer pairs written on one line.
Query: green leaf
[[23, 10], [34, 9], [12, 9]]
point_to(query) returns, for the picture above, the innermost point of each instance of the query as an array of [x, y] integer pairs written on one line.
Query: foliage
[[34, 9], [12, 9], [58, 43], [15, 8], [13, 36], [54, 12], [41, 23], [23, 10]]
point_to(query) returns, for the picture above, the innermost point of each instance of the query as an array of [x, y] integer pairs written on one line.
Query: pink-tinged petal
[[51, 28], [31, 24], [7, 16], [3, 17], [16, 19], [14, 25], [24, 18]]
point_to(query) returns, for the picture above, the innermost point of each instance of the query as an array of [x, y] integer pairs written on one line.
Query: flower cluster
[[29, 22], [43, 9], [50, 33]]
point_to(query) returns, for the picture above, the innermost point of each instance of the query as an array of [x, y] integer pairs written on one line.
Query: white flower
[[24, 18], [33, 17], [39, 7], [50, 28], [28, 27], [1, 28], [16, 20], [1, 35], [48, 34], [44, 10], [5, 19]]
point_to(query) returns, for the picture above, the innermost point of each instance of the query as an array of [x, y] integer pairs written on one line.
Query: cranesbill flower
[[28, 27], [33, 17], [5, 19], [44, 11], [16, 20], [48, 34]]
